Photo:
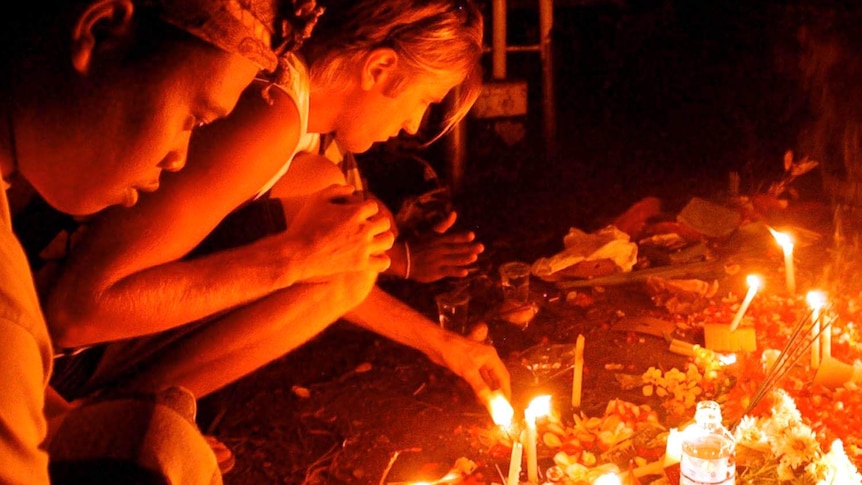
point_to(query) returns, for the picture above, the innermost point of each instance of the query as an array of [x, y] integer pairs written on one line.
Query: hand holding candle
[[502, 414], [539, 406], [753, 285], [786, 244], [578, 372]]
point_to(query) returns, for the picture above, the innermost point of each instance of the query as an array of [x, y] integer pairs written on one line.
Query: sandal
[[224, 456]]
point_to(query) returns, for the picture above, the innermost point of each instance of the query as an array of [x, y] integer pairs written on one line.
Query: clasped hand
[[338, 232], [438, 254]]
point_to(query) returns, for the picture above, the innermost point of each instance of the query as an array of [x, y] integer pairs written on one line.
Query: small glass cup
[[515, 278], [452, 308]]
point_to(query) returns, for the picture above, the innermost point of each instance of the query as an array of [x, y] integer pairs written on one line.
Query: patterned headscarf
[[255, 29]]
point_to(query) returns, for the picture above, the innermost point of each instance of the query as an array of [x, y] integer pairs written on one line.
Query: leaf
[[804, 166], [788, 160]]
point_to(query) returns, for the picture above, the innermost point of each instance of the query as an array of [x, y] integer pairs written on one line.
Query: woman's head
[[104, 93], [429, 37]]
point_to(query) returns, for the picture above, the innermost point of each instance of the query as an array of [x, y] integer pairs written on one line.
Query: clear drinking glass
[[452, 309], [515, 278]]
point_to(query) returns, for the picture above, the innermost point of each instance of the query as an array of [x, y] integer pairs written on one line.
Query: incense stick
[[800, 341]]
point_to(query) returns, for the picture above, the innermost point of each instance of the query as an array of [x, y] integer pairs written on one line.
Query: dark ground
[[655, 99]]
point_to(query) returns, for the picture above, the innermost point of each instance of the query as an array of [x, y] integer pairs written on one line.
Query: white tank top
[[298, 87]]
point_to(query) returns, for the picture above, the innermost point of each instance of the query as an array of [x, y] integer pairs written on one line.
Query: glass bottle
[[708, 449]]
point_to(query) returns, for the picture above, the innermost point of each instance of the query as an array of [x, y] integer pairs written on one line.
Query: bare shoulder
[[247, 148], [270, 113]]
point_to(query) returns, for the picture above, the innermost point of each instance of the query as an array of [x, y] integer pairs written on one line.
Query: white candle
[[578, 372], [539, 406], [753, 285], [816, 300], [786, 244], [825, 338], [673, 445], [608, 479], [532, 459], [515, 464]]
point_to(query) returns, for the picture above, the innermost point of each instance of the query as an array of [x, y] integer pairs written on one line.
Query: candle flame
[[783, 240], [501, 411], [539, 406], [608, 479], [816, 299], [753, 281]]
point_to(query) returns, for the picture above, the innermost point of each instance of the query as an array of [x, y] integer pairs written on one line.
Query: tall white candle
[[539, 406], [515, 464], [816, 300], [786, 244], [753, 285], [578, 372], [532, 458]]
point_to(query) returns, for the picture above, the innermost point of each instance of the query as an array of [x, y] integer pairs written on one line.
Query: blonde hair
[[428, 36]]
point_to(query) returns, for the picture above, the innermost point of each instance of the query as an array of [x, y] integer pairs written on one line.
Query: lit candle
[[501, 411], [816, 300], [786, 244], [753, 285], [578, 373], [539, 406], [515, 464]]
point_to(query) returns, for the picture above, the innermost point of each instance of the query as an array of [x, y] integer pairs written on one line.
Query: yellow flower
[[797, 446]]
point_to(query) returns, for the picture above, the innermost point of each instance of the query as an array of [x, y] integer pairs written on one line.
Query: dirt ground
[[655, 99]]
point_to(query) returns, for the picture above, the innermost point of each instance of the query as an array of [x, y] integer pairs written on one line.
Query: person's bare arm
[[125, 277], [475, 362]]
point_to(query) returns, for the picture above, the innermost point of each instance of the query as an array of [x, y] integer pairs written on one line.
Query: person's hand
[[475, 362], [337, 232], [438, 255]]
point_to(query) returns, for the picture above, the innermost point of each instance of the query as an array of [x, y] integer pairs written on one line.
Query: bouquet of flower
[[780, 448]]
